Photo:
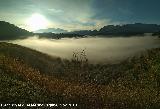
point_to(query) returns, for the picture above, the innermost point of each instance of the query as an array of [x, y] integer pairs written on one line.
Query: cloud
[[84, 14], [87, 24], [129, 11], [55, 10]]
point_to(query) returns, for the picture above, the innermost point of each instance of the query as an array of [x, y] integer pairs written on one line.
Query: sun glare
[[36, 22]]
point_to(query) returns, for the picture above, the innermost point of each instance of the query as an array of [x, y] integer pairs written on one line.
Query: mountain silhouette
[[9, 31], [127, 30], [51, 30]]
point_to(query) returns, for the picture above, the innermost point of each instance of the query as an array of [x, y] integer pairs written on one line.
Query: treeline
[[58, 35]]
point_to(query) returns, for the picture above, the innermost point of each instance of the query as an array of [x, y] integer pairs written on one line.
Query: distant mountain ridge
[[127, 29], [51, 30], [9, 31]]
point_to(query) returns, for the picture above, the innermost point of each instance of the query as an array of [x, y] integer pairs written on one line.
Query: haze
[[98, 50]]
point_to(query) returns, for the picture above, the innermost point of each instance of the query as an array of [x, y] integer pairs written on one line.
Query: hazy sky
[[78, 14]]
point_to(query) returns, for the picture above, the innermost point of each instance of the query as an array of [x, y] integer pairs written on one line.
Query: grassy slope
[[14, 89], [134, 83], [33, 58]]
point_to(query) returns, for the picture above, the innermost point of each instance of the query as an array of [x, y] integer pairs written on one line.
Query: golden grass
[[138, 87], [88, 94]]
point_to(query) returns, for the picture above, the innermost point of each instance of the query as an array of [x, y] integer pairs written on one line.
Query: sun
[[36, 22]]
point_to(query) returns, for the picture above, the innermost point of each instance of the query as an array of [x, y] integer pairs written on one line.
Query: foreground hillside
[[30, 76]]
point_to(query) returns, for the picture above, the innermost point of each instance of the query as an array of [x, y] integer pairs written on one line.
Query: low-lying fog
[[99, 50]]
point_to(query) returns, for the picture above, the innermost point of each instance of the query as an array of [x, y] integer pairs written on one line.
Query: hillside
[[15, 89], [9, 31], [37, 77]]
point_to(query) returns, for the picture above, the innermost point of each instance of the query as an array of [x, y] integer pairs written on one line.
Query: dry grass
[[136, 86]]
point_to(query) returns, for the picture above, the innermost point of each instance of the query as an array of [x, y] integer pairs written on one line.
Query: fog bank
[[98, 50]]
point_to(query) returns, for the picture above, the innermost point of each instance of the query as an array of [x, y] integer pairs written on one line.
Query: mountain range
[[126, 30], [51, 30], [9, 31]]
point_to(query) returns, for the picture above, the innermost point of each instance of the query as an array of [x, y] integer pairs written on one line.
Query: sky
[[78, 14]]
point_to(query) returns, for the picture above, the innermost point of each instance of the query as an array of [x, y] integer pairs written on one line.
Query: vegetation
[[131, 84], [156, 34], [58, 35]]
